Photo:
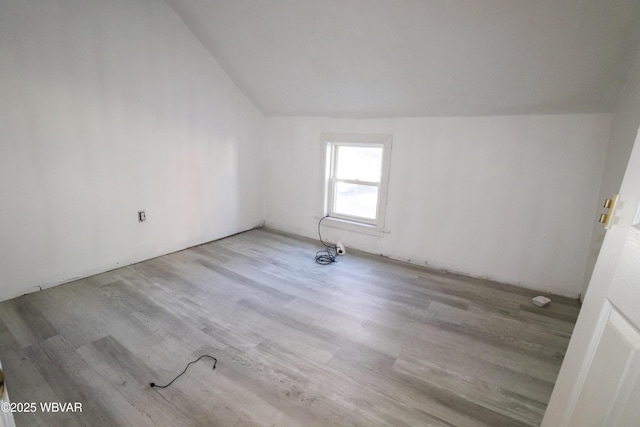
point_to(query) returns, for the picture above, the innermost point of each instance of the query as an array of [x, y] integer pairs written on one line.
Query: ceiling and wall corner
[[377, 59]]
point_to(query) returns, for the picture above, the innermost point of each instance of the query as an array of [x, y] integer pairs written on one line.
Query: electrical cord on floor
[[215, 361], [327, 256]]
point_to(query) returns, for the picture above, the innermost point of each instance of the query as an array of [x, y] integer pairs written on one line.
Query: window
[[357, 172]]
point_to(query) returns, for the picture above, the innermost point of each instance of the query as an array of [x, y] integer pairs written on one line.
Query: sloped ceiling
[[390, 58]]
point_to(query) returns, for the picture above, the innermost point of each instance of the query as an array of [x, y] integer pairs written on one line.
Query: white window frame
[[330, 141]]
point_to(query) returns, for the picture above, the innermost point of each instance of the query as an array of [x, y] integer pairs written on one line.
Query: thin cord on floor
[[215, 361], [327, 256]]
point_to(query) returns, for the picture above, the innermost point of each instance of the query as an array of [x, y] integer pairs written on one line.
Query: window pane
[[363, 163], [356, 200]]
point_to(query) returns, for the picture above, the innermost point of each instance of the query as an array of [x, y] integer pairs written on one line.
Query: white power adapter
[[340, 250], [541, 301]]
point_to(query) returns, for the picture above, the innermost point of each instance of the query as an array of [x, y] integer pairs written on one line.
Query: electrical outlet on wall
[[141, 216]]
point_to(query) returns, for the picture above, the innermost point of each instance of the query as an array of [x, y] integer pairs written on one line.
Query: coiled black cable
[[326, 256]]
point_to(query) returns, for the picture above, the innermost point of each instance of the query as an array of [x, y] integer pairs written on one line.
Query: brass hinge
[[610, 204]]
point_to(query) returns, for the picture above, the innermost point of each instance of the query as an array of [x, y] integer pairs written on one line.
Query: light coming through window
[[356, 178]]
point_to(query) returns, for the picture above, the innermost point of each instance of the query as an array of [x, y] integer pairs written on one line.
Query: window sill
[[357, 227]]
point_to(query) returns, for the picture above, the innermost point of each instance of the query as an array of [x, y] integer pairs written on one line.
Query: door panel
[[625, 286], [613, 374], [630, 413]]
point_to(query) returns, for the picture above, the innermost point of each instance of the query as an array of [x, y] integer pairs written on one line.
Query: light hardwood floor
[[365, 341]]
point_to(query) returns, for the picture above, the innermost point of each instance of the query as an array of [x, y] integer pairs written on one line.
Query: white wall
[[624, 128], [507, 198], [108, 107]]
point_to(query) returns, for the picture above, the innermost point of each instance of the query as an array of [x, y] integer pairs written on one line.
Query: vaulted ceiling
[[390, 58]]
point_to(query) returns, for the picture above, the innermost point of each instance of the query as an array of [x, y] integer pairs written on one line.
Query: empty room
[[319, 213]]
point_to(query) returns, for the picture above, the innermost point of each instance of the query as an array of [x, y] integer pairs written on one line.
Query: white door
[[6, 417], [599, 382]]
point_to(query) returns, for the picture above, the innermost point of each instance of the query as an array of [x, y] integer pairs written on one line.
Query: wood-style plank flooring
[[365, 341]]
